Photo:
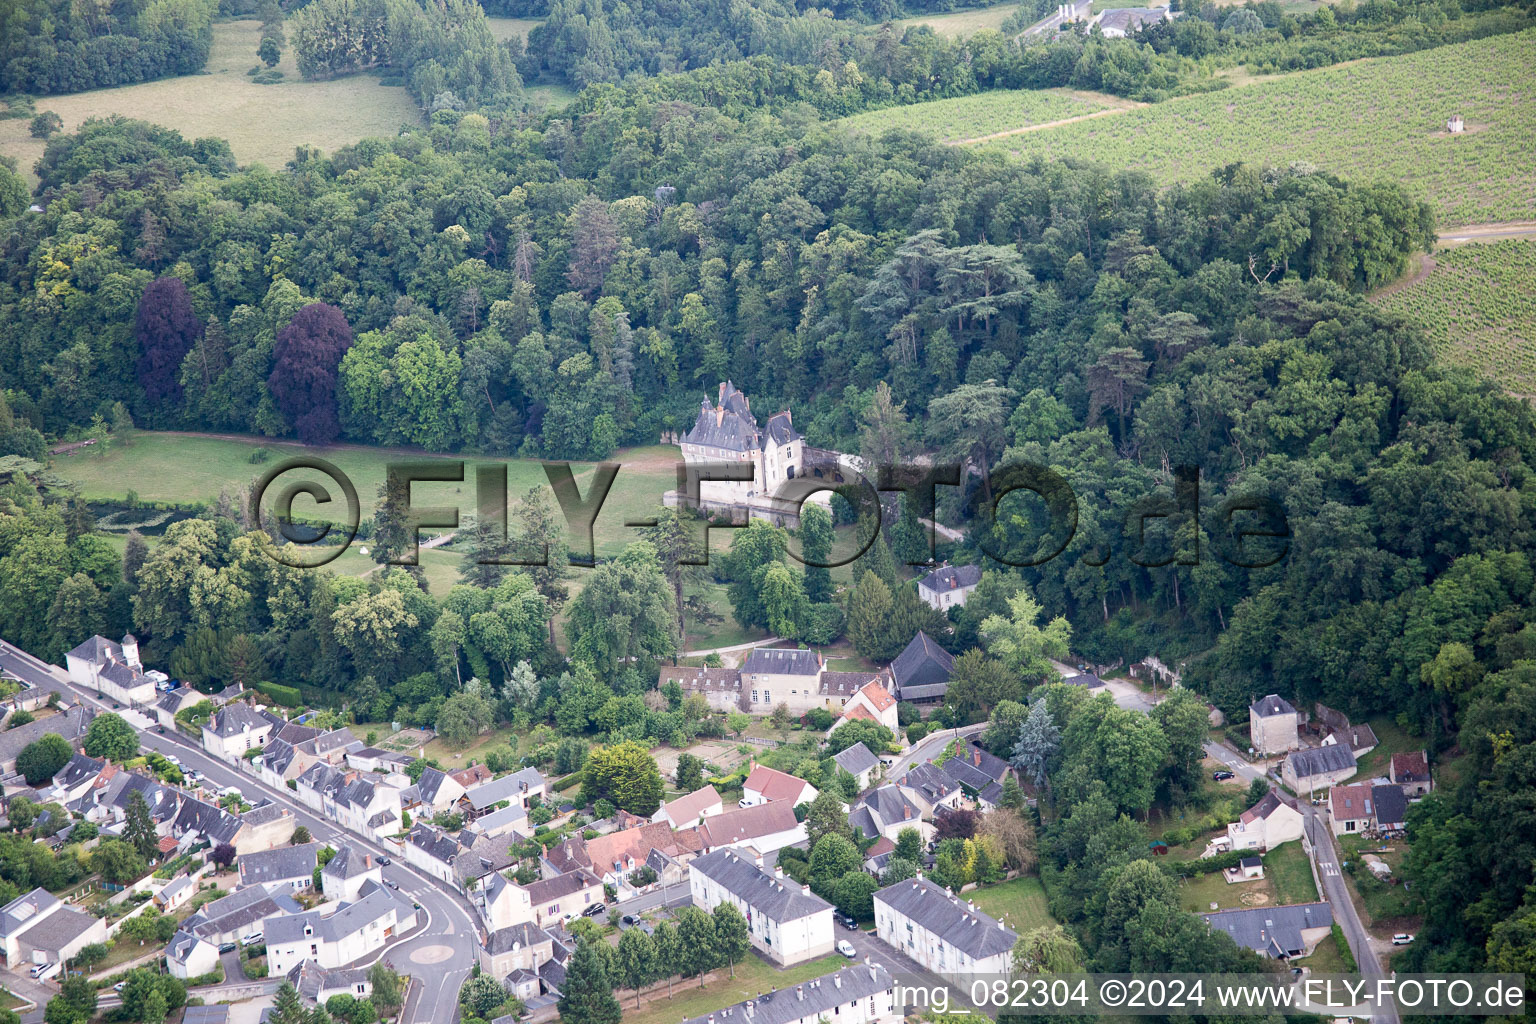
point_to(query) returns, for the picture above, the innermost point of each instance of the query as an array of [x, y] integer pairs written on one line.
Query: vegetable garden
[[1479, 308], [1376, 119]]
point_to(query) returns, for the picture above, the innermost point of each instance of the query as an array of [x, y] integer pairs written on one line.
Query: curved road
[[438, 954]]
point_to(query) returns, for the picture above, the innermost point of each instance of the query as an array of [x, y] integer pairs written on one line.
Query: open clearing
[[1382, 119], [263, 123], [965, 118], [1020, 904], [963, 23], [1478, 306]]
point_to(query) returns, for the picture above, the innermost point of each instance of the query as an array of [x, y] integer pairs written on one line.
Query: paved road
[[929, 748], [675, 895], [1336, 891], [439, 954]]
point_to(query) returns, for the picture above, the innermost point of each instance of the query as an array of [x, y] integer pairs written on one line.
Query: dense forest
[[54, 46]]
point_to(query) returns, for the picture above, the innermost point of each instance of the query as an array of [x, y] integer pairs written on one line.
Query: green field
[[1290, 871], [963, 23], [263, 123], [1382, 119], [196, 468], [1478, 306], [1019, 904], [754, 976], [969, 117]]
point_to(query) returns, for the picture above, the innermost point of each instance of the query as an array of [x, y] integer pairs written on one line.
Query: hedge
[[287, 696]]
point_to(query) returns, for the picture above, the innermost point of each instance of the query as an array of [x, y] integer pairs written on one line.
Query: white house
[[940, 931], [1265, 825], [438, 791], [1306, 771], [350, 933], [344, 875], [564, 897], [236, 728], [189, 956], [112, 670], [764, 827], [888, 810], [502, 904], [1350, 809], [285, 869], [857, 994], [687, 811], [858, 762], [771, 676], [786, 921], [871, 702], [948, 586], [764, 785], [1272, 725], [38, 928], [1277, 932]]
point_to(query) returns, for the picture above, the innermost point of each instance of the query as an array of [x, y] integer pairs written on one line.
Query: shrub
[[287, 696]]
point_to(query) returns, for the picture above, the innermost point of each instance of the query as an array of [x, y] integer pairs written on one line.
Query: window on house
[[767, 697], [754, 696]]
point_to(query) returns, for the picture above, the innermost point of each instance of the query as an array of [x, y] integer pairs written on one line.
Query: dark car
[[848, 922], [1222, 775], [629, 919], [384, 862], [594, 910], [228, 947]]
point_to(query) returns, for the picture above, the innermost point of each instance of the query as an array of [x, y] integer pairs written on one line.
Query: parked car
[[629, 919], [848, 922], [1401, 939], [228, 947], [846, 948], [594, 910], [119, 986], [42, 972], [384, 862], [1222, 775], [252, 939]]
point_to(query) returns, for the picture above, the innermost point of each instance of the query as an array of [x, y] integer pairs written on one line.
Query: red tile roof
[[877, 695], [773, 784], [1410, 767], [1350, 803]]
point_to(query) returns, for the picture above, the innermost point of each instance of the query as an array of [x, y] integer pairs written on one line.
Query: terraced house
[[941, 931]]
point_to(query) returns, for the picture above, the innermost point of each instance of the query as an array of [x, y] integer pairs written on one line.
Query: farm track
[[1048, 124], [1469, 233]]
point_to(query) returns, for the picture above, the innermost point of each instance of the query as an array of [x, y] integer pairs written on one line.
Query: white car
[[846, 948], [1401, 939], [252, 939]]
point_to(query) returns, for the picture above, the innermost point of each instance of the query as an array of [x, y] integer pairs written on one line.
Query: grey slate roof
[[233, 720], [236, 912], [508, 787], [78, 769], [732, 426], [811, 1001], [546, 889], [70, 724], [1272, 931], [429, 783], [1130, 19], [951, 577], [15, 914], [283, 864], [975, 769], [58, 929], [349, 919], [518, 936], [1317, 760], [782, 661], [218, 1013], [206, 819], [884, 805], [922, 669], [1266, 707], [1087, 679], [929, 782], [856, 759], [778, 899], [972, 932], [349, 862], [1391, 804], [263, 814]]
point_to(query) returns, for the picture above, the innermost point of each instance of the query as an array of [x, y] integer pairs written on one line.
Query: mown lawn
[[1391, 739], [963, 23], [1290, 872], [1020, 904], [262, 123], [753, 976]]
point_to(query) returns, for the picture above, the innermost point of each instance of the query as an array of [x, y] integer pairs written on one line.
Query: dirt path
[[1129, 105], [1424, 266], [1488, 232]]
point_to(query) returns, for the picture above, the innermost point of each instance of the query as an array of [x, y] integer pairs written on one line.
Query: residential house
[[858, 994], [948, 586], [687, 811], [1361, 739], [523, 789], [112, 670], [1350, 809], [764, 827], [237, 915], [921, 671], [438, 792], [1265, 825], [1127, 21], [332, 940], [764, 784], [613, 858], [1411, 771], [70, 724], [109, 804], [174, 701], [1278, 932], [318, 985], [236, 728], [887, 810], [771, 676], [523, 947], [870, 702], [39, 928], [787, 923], [286, 869], [510, 820], [1307, 771], [365, 804], [564, 897], [458, 858], [979, 773], [858, 762], [175, 893], [344, 874], [1272, 725], [78, 777], [932, 790], [1391, 805], [940, 931], [196, 820], [500, 903], [878, 856], [372, 759], [190, 956], [721, 687]]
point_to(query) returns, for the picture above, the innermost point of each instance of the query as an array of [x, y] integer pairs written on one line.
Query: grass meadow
[[956, 24], [963, 118], [263, 123], [1377, 119]]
